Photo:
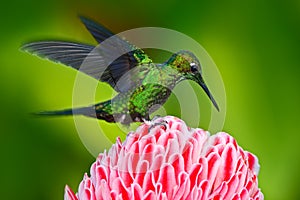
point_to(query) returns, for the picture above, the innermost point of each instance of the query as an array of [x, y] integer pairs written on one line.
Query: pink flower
[[171, 161]]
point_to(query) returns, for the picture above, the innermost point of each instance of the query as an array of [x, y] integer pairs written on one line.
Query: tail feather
[[103, 111], [87, 111]]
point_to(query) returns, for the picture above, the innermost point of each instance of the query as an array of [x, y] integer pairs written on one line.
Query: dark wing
[[67, 53], [107, 62], [119, 55], [98, 31]]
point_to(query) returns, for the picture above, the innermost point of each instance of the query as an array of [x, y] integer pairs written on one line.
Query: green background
[[255, 45]]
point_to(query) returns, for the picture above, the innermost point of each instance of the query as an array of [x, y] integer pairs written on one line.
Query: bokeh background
[[255, 45]]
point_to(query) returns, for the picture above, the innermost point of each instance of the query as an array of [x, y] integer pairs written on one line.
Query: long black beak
[[200, 81]]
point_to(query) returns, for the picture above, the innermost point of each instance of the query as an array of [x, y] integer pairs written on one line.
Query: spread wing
[[107, 62]]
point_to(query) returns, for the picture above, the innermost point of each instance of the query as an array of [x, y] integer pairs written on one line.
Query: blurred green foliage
[[255, 45]]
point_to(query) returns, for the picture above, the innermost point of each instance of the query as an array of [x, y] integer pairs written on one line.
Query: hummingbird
[[140, 83]]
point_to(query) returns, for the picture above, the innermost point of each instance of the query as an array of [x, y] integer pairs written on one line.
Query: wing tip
[[31, 47], [86, 20], [25, 47], [82, 17]]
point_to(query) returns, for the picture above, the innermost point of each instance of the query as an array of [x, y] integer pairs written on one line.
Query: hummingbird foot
[[156, 117], [156, 121]]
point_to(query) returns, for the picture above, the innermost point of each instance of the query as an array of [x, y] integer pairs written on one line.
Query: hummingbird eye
[[193, 67]]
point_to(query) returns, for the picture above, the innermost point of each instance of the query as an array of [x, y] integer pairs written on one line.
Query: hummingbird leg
[[152, 124], [146, 117], [156, 117], [163, 123]]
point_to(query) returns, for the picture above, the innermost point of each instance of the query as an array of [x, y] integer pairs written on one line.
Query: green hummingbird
[[140, 84]]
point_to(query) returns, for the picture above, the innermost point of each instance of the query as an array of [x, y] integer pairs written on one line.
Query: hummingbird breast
[[145, 97]]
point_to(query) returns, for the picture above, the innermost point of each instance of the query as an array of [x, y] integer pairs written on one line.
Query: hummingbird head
[[188, 65]]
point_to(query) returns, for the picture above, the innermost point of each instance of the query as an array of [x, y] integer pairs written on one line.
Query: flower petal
[[171, 162], [69, 194]]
